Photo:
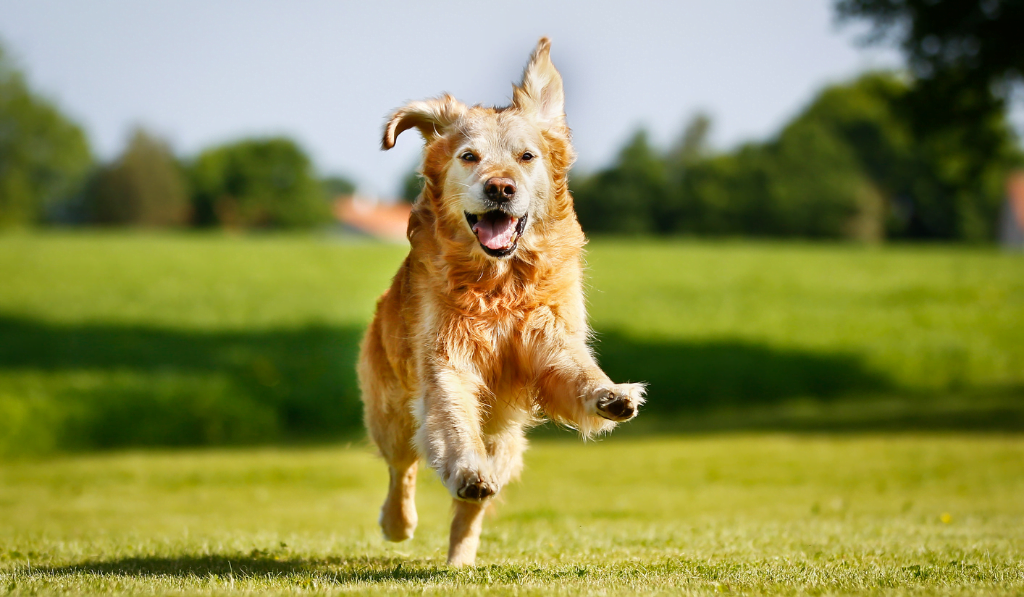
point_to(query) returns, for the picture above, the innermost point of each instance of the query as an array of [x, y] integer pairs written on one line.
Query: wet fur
[[467, 351]]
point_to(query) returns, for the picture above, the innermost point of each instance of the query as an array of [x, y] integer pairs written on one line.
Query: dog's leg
[[465, 535], [505, 454], [393, 435], [574, 390], [394, 438], [398, 514], [451, 437], [505, 448], [391, 426]]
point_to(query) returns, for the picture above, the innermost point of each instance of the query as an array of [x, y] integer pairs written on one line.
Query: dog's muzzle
[[497, 232]]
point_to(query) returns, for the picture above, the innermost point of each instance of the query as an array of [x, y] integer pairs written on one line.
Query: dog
[[483, 332]]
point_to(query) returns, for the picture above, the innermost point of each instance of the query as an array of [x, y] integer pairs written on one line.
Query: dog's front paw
[[472, 485], [476, 491], [619, 402]]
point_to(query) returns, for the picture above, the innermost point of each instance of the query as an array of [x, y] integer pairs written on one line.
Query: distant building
[[1011, 220], [370, 217]]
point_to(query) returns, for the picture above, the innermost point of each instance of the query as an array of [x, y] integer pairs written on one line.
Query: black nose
[[500, 190]]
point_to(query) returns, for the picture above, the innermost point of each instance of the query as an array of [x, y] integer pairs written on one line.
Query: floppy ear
[[430, 117], [541, 93]]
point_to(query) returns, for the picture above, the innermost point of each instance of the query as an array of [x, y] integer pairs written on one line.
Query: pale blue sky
[[327, 73]]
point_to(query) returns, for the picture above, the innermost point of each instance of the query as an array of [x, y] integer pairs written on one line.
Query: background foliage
[[257, 183], [144, 186], [44, 156], [921, 155], [967, 60], [864, 160]]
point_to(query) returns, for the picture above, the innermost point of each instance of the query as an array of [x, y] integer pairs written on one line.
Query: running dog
[[483, 332]]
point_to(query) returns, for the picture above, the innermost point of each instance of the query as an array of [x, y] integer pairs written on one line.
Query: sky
[[328, 73]]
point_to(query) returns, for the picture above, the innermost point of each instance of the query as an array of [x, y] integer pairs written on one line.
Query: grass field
[[111, 340], [763, 514]]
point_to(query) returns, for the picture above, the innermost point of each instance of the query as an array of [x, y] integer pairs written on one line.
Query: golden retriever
[[483, 331]]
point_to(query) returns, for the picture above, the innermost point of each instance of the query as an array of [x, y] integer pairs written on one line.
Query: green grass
[[748, 514], [113, 339], [120, 340]]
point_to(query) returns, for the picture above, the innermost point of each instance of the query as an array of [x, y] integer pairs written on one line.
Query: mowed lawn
[[113, 340], [126, 343], [747, 514]]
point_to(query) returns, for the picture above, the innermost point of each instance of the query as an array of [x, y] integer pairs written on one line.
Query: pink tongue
[[495, 234]]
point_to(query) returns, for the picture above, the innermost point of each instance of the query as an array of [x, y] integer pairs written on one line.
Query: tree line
[[922, 154], [865, 160], [48, 174]]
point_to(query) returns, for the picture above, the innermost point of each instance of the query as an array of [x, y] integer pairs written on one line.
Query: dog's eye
[[527, 156], [469, 156]]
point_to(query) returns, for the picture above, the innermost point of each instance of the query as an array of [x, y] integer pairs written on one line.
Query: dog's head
[[495, 178]]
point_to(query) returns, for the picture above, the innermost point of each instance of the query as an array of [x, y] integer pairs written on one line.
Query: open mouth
[[497, 231]]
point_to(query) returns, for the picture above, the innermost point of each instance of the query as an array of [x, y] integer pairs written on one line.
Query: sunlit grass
[[924, 317], [112, 340], [754, 514], [121, 339]]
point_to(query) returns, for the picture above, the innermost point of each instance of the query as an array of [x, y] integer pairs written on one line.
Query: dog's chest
[[505, 346]]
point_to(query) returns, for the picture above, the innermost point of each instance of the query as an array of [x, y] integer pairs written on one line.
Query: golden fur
[[467, 349]]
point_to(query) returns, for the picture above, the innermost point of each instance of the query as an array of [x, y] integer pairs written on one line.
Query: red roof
[[1015, 195], [387, 221]]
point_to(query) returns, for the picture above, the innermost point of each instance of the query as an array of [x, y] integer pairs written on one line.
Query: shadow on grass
[[268, 565], [99, 385], [261, 566], [109, 385], [737, 386], [701, 376]]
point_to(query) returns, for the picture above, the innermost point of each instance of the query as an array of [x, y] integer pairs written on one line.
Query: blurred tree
[[674, 213], [143, 187], [257, 183], [624, 198], [979, 42], [724, 194], [693, 144], [857, 163], [806, 183], [939, 179], [815, 184], [44, 157], [965, 149], [335, 186], [412, 186], [866, 159], [864, 117], [966, 56]]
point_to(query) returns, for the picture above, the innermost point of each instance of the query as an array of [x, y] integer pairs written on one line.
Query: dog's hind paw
[[619, 402], [396, 530], [398, 520]]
